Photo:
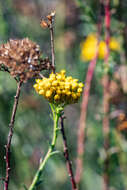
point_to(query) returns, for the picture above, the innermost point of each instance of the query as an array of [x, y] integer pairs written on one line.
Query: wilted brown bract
[[22, 59]]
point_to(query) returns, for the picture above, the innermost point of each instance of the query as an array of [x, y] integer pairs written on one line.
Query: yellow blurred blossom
[[114, 45], [89, 47], [102, 50], [59, 89]]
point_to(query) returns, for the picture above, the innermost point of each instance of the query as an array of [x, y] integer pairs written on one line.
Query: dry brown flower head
[[22, 59]]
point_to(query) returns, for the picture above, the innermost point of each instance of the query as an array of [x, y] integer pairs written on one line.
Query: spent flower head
[[22, 58], [48, 21], [59, 89]]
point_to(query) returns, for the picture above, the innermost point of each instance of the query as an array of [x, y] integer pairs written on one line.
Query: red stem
[[107, 26], [84, 105], [82, 121], [11, 126], [66, 155]]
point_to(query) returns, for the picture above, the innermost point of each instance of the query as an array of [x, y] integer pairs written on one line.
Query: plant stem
[[82, 121], [84, 105], [50, 150], [66, 154], [106, 95], [52, 44], [8, 145], [106, 129]]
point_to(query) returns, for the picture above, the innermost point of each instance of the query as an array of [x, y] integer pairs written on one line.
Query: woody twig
[[11, 129]]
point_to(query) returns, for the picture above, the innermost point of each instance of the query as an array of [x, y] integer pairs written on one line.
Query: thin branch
[[84, 105], [106, 129], [11, 128], [52, 47], [51, 27], [82, 122], [106, 83], [66, 154]]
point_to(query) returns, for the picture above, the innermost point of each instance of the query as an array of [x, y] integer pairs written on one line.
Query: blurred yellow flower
[[89, 47], [102, 50], [114, 45], [59, 89]]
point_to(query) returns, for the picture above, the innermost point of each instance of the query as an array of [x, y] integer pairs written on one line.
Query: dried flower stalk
[[8, 146], [49, 23]]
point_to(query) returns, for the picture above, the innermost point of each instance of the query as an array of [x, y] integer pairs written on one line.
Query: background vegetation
[[75, 20]]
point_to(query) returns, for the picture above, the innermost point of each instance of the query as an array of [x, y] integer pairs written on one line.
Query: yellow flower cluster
[[89, 47], [59, 89]]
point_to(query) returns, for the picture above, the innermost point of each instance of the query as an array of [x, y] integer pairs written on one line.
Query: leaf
[[55, 152]]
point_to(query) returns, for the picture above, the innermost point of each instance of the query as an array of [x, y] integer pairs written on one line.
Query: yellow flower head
[[59, 89]]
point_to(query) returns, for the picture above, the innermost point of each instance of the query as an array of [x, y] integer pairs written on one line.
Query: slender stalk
[[82, 121], [66, 154], [49, 153], [52, 44], [106, 129], [84, 105], [52, 47], [8, 145], [106, 95]]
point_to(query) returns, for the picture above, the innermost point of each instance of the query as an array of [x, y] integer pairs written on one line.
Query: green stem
[[37, 176]]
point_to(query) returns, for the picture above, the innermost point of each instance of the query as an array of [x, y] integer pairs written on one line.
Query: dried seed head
[[22, 59], [48, 21], [44, 24], [51, 15]]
